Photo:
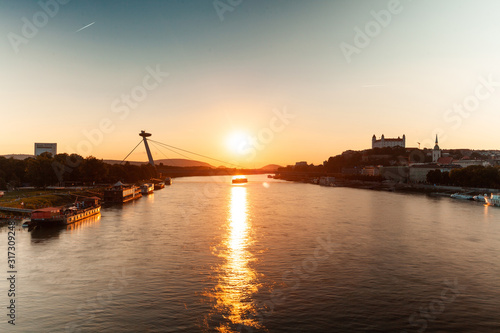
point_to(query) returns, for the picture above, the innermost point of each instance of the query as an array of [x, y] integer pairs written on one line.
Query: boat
[[64, 215], [159, 186], [461, 196], [168, 181], [480, 198], [493, 200], [147, 188], [239, 180], [121, 193]]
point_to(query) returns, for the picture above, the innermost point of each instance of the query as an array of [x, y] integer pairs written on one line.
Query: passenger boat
[[147, 189], [239, 180], [121, 193], [493, 200], [56, 216], [168, 181]]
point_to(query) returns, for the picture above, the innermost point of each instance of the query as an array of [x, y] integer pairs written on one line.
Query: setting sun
[[237, 141]]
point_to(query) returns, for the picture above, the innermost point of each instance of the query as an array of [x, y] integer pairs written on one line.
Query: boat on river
[[493, 200], [64, 215], [147, 188], [480, 198], [121, 193], [461, 196], [159, 185], [239, 180]]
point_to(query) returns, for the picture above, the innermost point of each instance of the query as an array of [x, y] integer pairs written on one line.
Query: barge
[[64, 215], [121, 193]]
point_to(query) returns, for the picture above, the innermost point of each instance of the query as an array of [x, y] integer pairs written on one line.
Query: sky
[[247, 82]]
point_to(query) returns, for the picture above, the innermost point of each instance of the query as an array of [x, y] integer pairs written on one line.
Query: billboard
[[45, 147]]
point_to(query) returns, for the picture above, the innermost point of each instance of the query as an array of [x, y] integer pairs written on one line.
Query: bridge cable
[[131, 151], [190, 152]]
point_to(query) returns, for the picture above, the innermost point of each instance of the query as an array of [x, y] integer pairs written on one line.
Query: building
[[301, 164], [464, 162], [370, 171], [436, 152], [418, 173], [45, 148], [383, 142]]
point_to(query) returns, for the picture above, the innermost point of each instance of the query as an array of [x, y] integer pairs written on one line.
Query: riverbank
[[391, 186], [29, 199]]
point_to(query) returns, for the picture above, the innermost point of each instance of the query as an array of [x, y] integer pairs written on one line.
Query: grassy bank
[[34, 199]]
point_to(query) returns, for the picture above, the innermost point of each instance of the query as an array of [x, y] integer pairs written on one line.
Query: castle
[[383, 142]]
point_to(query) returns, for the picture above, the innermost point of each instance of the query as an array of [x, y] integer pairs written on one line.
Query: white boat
[[480, 198], [493, 200], [461, 196], [147, 188]]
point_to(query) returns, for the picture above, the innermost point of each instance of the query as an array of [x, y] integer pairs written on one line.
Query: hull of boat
[[65, 219]]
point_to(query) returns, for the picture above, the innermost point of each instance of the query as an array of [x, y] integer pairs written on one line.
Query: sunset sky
[[249, 82]]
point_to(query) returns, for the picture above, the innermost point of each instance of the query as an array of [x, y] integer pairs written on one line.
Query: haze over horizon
[[248, 82]]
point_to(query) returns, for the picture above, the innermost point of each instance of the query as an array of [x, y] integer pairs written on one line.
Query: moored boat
[[147, 188], [480, 198], [493, 200], [461, 196], [56, 216], [159, 186], [121, 193]]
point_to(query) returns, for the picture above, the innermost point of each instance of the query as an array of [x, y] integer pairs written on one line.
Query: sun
[[237, 141]]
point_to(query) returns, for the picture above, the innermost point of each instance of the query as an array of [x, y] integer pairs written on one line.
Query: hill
[[271, 167], [18, 156]]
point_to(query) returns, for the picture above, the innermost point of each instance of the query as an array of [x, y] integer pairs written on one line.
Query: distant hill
[[175, 162], [18, 156], [271, 167]]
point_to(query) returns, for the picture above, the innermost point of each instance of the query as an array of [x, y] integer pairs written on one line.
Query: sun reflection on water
[[237, 281]]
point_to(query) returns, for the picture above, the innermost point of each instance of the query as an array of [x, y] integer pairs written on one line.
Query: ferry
[[493, 200], [239, 180], [121, 193], [147, 189], [56, 216]]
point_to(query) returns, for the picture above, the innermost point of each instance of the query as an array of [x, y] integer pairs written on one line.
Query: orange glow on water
[[237, 281]]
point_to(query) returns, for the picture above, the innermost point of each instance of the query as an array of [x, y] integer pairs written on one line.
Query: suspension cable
[[131, 151], [190, 152]]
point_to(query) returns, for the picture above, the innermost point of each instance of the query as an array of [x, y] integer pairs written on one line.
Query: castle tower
[[436, 152]]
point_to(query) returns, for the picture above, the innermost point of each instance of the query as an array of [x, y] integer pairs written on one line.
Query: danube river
[[203, 255]]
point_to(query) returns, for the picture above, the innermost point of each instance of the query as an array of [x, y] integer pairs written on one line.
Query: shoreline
[[390, 186]]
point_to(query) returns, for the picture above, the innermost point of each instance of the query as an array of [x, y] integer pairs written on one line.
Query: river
[[203, 255]]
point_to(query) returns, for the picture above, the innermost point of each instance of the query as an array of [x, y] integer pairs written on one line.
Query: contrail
[[88, 25]]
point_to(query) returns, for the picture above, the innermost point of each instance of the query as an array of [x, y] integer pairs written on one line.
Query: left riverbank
[[18, 203]]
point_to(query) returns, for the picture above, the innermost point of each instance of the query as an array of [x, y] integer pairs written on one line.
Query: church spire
[[436, 139]]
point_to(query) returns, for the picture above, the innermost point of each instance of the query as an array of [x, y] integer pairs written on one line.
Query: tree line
[[471, 176], [63, 169]]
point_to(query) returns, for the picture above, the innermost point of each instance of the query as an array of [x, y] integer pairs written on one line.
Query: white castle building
[[383, 142]]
